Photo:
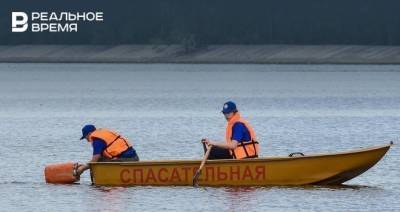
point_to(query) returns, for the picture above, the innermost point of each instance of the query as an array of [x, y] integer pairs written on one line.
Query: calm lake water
[[165, 109]]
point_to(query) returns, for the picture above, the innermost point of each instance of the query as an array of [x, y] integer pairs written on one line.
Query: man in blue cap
[[241, 141], [107, 146]]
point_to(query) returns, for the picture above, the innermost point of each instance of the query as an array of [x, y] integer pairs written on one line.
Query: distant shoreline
[[213, 54]]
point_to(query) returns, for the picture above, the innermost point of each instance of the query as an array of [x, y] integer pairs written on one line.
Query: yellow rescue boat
[[318, 169]]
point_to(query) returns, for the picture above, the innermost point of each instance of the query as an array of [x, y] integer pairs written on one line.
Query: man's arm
[[231, 145], [237, 135], [98, 147]]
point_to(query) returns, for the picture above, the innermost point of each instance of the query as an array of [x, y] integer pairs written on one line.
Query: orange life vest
[[116, 144], [245, 149]]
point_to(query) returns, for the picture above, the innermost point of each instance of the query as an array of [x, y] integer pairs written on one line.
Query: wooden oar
[[198, 172]]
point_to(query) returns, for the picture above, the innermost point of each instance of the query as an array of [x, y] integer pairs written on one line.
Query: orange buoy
[[62, 173]]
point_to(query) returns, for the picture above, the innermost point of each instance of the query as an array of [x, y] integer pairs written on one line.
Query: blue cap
[[87, 129], [229, 107]]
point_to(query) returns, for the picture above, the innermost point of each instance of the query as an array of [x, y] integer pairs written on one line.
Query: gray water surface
[[165, 109]]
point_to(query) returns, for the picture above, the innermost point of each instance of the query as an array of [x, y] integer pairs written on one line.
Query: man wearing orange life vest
[[107, 146], [241, 141]]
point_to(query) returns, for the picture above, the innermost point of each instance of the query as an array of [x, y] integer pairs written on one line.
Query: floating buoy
[[61, 173]]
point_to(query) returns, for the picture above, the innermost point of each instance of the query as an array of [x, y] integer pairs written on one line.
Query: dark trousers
[[104, 159], [218, 153]]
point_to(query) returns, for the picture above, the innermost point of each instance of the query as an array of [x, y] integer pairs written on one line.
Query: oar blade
[[198, 172], [196, 178]]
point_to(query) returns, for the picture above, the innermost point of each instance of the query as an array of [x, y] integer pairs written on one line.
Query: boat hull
[[321, 169]]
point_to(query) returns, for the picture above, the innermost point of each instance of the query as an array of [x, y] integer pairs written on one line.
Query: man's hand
[[206, 141], [81, 168]]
